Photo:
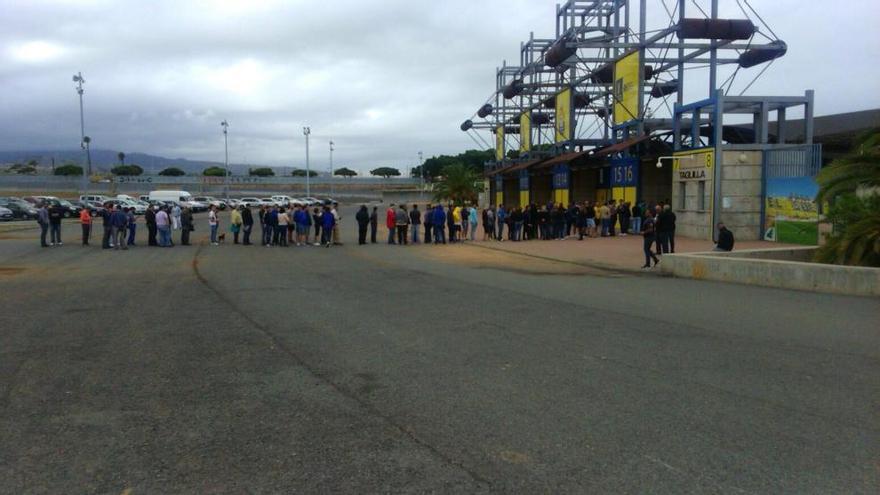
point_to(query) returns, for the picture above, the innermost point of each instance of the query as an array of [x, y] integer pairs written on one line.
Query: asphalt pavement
[[447, 369]]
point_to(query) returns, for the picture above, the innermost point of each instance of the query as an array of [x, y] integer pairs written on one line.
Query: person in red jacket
[[390, 223]]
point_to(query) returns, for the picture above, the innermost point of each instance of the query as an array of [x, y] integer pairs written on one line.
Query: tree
[[121, 157], [214, 172], [851, 186], [473, 159], [69, 169], [33, 163], [23, 169], [128, 170], [458, 183], [261, 172], [345, 172], [300, 172], [172, 172], [385, 172]]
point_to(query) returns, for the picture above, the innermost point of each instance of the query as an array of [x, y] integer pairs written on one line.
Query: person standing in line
[[163, 224], [327, 221], [581, 220], [213, 224], [175, 218], [636, 223], [649, 234], [56, 213], [301, 224], [247, 222], [337, 222], [132, 226], [612, 224], [362, 217], [473, 220], [272, 225], [658, 227], [235, 222], [415, 219], [488, 224], [43, 221], [118, 222], [401, 221], [150, 219], [452, 224], [106, 239], [281, 230], [374, 224], [465, 222], [605, 217], [590, 214], [502, 219], [186, 226], [516, 219], [317, 220], [85, 220], [624, 213], [291, 224], [390, 223], [438, 220], [428, 219]]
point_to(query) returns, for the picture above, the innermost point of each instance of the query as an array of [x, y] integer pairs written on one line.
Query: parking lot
[[388, 369]]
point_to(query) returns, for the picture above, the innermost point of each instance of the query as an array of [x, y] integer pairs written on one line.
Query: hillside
[[104, 160]]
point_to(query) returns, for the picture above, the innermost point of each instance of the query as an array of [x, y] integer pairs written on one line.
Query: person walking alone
[[85, 220], [363, 220], [649, 234]]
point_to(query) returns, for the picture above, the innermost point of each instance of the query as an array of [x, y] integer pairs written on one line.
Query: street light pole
[[331, 168], [306, 132], [421, 177], [225, 126], [83, 143]]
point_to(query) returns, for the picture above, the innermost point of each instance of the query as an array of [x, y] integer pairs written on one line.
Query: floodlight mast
[[306, 131], [225, 126], [83, 143], [331, 168], [421, 177]]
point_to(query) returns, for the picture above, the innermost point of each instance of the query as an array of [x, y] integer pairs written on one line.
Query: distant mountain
[[104, 160]]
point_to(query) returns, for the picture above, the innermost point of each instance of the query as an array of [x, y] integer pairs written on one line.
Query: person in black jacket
[[415, 220], [150, 218], [666, 230], [56, 213], [247, 222], [725, 239], [108, 227], [648, 231], [363, 220], [374, 224], [428, 223], [186, 225]]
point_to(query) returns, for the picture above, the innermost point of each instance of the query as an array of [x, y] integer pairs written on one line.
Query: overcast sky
[[382, 79]]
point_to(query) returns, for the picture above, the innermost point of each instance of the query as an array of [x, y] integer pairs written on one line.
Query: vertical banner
[[499, 190], [523, 187], [525, 132], [625, 178], [626, 88], [561, 181], [564, 132], [499, 143]]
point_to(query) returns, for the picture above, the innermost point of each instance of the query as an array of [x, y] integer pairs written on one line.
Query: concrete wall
[[741, 193], [769, 268]]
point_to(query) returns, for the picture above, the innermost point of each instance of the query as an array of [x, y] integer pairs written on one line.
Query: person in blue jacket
[[502, 218], [439, 223], [327, 223]]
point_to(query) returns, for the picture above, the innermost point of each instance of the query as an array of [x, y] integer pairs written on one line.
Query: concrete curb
[[598, 266], [774, 268]]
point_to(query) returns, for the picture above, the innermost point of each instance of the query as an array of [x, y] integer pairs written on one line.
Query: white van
[[180, 197], [93, 197]]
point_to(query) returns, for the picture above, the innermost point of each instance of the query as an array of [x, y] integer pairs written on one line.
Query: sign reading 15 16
[[625, 175]]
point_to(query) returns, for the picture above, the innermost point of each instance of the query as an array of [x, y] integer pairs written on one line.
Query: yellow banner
[[626, 88], [499, 143], [525, 132], [563, 116]]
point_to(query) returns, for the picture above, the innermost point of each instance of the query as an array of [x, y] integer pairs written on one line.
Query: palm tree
[[121, 157], [850, 185], [458, 183]]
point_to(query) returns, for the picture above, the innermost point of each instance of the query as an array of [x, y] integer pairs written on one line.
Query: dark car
[[94, 207], [19, 208]]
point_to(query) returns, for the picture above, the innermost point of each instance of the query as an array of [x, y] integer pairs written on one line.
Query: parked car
[[312, 201], [6, 214], [269, 202], [94, 197], [211, 201], [249, 202], [139, 209], [19, 208], [232, 203], [94, 207]]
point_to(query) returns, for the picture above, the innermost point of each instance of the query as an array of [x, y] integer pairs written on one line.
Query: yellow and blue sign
[[564, 132], [626, 88], [525, 132]]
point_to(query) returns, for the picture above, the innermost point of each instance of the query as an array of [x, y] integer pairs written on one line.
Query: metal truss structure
[[671, 49]]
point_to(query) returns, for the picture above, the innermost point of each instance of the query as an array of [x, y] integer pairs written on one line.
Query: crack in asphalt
[[369, 408]]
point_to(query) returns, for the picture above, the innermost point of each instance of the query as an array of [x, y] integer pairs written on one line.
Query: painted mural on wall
[[791, 212]]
